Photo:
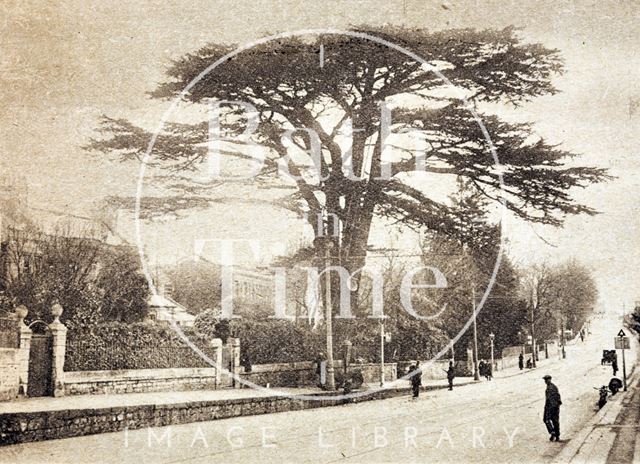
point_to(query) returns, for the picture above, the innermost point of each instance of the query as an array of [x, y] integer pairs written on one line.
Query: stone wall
[[299, 374], [303, 374], [371, 371], [49, 425], [9, 376], [137, 381], [431, 370]]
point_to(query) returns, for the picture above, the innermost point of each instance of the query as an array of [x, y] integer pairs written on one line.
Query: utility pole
[[476, 374], [533, 339], [381, 352], [492, 336], [331, 381], [624, 370]]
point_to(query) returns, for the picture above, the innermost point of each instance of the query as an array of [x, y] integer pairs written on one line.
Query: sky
[[64, 63]]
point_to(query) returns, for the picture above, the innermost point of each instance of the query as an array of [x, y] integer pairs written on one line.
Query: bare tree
[[538, 289], [73, 268]]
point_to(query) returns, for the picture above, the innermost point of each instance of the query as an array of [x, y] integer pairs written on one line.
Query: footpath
[[47, 418], [611, 436]]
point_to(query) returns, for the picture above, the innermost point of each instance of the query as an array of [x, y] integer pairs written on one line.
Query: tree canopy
[[284, 81]]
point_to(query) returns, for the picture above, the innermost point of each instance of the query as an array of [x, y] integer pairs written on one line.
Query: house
[[164, 309]]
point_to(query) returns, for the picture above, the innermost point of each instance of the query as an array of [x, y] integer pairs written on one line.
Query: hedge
[[115, 346], [264, 342]]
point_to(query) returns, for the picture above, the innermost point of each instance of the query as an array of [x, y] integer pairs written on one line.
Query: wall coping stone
[[137, 374]]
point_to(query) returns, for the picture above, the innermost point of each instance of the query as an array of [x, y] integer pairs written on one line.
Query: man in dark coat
[[451, 375], [552, 404], [521, 361], [416, 379], [614, 366]]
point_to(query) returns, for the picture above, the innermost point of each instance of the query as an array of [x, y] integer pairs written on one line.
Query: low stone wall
[[371, 371], [507, 362], [431, 370], [49, 425], [303, 374], [9, 377], [298, 374], [138, 381]]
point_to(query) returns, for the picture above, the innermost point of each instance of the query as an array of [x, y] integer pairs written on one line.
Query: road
[[499, 421]]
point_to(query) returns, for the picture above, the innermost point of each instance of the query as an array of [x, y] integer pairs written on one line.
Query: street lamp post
[[523, 339], [327, 243], [476, 374], [492, 336]]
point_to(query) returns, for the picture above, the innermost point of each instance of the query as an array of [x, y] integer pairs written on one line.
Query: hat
[[547, 377]]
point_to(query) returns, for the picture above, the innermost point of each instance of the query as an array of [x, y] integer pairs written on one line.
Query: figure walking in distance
[[521, 361], [416, 379], [552, 404], [451, 374]]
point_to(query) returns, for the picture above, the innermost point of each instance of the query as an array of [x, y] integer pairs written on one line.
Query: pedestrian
[[416, 379], [552, 404], [481, 368], [582, 335], [489, 371], [529, 364], [451, 373], [614, 366], [521, 361], [486, 370]]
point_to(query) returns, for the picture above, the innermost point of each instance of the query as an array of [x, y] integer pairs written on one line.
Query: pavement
[[611, 436], [497, 421]]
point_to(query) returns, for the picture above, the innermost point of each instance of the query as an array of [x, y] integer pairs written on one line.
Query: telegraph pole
[[381, 352], [331, 381], [476, 374]]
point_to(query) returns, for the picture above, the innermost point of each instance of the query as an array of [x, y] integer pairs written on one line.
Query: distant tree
[[122, 285], [558, 297], [196, 285], [539, 289], [575, 296]]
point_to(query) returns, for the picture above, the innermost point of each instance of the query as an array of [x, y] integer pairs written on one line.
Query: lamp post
[[522, 339], [476, 374], [327, 244], [492, 336]]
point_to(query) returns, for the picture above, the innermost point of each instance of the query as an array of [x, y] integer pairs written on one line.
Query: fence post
[[58, 347], [216, 344], [24, 350], [235, 360], [346, 356]]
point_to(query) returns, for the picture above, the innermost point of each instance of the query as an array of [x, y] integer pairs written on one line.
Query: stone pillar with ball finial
[[58, 346], [24, 333]]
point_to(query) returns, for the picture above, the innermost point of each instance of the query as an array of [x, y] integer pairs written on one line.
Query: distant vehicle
[[608, 356]]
